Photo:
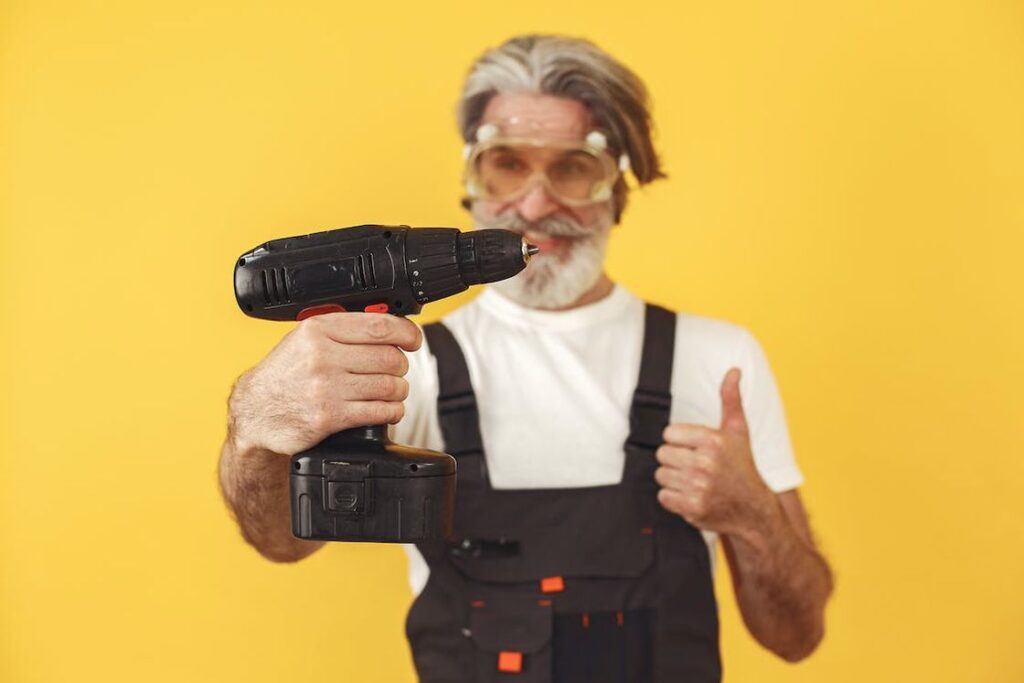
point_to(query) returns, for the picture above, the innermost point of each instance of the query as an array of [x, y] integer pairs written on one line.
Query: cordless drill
[[358, 485]]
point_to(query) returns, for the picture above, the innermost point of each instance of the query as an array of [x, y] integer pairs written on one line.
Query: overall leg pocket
[[603, 647], [512, 636]]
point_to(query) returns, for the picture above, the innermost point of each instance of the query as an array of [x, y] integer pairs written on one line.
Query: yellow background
[[846, 181]]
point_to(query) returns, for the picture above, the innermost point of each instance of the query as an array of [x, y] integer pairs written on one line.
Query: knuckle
[[406, 333], [414, 337], [381, 386], [362, 387], [308, 343], [402, 388], [377, 412], [392, 360], [397, 411], [309, 329], [381, 358], [401, 362], [706, 462], [316, 389], [316, 361], [319, 419], [360, 414], [377, 326], [677, 504]]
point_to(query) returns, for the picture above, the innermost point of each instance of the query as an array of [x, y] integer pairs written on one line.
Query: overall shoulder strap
[[652, 401], [457, 409]]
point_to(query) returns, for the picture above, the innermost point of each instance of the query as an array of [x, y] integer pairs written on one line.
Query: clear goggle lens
[[574, 173]]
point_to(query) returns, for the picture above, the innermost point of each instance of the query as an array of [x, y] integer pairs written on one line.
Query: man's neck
[[602, 288]]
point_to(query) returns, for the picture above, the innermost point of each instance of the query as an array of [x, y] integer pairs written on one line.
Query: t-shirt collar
[[595, 313]]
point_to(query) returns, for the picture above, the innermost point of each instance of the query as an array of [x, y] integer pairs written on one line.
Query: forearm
[[782, 584], [255, 485]]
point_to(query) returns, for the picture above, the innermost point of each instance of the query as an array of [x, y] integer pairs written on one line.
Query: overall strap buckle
[[648, 417], [460, 423]]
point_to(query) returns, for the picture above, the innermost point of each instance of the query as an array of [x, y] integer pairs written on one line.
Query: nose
[[537, 204]]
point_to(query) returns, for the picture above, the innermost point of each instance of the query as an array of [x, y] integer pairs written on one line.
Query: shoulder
[[708, 328], [705, 349], [712, 341]]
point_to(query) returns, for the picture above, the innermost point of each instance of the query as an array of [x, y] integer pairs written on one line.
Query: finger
[[692, 436], [335, 417], [677, 502], [353, 387], [367, 328], [372, 359], [675, 456], [733, 419], [684, 481], [695, 462], [366, 413], [670, 501], [670, 478]]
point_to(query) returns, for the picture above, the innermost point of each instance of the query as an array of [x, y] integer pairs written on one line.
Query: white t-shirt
[[554, 390]]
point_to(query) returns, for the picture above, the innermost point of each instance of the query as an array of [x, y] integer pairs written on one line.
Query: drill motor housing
[[370, 266]]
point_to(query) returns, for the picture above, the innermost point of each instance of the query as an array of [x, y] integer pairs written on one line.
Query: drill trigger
[[317, 310]]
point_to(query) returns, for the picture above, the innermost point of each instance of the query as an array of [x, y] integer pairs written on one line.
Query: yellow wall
[[846, 181]]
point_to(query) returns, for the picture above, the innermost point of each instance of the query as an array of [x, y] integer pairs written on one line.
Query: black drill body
[[357, 485], [371, 266]]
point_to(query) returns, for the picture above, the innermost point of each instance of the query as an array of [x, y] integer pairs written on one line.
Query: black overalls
[[594, 585]]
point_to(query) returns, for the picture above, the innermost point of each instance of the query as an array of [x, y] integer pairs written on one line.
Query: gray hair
[[575, 68]]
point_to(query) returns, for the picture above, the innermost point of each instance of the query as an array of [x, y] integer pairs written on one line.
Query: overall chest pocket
[[515, 536]]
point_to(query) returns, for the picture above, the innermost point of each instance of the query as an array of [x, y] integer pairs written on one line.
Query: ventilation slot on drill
[[360, 273], [284, 284], [364, 266], [275, 287]]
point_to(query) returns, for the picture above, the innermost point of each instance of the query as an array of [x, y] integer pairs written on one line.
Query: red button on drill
[[376, 308]]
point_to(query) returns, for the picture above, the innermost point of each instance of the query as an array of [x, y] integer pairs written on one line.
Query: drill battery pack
[[378, 491]]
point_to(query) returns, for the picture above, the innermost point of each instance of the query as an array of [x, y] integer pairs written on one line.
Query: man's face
[[572, 239]]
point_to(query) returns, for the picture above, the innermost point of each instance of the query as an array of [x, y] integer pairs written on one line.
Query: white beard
[[554, 279]]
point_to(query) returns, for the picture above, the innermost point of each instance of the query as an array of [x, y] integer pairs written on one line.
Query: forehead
[[536, 115]]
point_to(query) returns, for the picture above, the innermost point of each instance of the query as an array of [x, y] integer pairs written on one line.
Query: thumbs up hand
[[708, 476]]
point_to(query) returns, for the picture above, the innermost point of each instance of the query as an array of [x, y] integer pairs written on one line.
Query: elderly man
[[603, 445]]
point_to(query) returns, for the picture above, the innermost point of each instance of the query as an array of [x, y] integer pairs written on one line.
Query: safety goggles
[[574, 172]]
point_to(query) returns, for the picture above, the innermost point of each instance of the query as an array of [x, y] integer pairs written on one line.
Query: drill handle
[[357, 435]]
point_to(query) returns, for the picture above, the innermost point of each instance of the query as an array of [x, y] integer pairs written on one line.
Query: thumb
[[733, 419]]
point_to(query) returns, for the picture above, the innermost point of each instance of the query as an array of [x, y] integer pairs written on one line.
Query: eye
[[570, 168], [508, 162], [503, 160], [575, 166]]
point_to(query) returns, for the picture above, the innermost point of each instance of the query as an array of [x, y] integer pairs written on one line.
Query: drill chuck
[[486, 255]]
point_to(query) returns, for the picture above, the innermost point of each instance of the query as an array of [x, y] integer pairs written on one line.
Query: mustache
[[555, 226]]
